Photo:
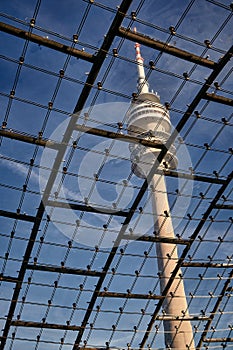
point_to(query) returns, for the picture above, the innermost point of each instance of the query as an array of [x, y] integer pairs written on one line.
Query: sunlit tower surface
[[148, 118]]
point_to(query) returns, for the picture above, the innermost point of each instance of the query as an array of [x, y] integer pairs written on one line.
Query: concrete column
[[178, 334]]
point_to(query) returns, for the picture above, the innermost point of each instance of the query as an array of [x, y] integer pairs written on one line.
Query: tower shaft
[[178, 333]]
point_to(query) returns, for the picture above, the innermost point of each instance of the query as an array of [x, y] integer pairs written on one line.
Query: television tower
[[148, 118]]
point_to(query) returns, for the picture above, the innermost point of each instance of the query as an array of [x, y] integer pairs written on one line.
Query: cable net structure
[[83, 255]]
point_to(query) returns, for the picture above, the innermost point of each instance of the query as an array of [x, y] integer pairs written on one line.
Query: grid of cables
[[78, 255]]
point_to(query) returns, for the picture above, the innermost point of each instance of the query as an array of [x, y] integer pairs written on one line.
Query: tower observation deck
[[148, 118]]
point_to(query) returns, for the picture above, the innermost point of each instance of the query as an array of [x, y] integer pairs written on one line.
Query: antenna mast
[[143, 86]]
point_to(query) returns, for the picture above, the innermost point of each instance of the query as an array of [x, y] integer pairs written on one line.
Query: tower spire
[[143, 86]]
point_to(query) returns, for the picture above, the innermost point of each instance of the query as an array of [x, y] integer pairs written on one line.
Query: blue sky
[[28, 113]]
